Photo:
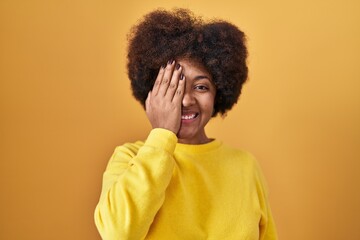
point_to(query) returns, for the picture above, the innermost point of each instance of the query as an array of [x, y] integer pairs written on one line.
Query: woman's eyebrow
[[201, 77]]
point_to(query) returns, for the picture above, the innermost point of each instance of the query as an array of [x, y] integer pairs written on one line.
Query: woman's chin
[[189, 137], [186, 137]]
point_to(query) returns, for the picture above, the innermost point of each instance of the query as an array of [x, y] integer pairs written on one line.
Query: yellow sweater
[[162, 189]]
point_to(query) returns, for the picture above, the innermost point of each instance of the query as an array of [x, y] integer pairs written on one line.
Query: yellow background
[[66, 103]]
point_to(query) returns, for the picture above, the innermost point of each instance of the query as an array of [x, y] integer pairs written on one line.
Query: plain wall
[[65, 104]]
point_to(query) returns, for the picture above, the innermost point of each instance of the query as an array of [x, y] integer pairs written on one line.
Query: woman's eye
[[201, 88]]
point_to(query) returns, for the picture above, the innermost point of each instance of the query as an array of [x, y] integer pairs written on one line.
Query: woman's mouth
[[189, 116]]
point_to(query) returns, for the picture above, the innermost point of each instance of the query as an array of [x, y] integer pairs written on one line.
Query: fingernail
[[177, 66], [170, 61], [181, 76], [163, 66]]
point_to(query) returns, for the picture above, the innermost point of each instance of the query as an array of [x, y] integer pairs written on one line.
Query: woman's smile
[[188, 117]]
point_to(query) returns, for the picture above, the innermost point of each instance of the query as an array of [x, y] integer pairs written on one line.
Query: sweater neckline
[[198, 148]]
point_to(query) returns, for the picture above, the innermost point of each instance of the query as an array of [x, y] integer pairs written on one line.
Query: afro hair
[[162, 35]]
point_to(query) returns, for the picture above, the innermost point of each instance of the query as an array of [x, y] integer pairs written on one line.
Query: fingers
[[179, 93], [158, 80], [166, 78], [166, 83], [173, 82]]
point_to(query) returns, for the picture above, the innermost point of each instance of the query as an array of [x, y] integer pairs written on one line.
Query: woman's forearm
[[134, 187]]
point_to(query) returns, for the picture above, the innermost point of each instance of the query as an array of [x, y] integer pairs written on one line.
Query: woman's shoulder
[[230, 149], [239, 155]]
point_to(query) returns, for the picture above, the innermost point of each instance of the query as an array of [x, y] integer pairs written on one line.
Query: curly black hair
[[162, 35]]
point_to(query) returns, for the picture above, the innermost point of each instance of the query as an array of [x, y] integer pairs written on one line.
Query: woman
[[179, 183]]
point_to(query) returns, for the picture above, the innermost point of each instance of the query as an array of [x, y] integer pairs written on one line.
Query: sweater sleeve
[[267, 226], [134, 187]]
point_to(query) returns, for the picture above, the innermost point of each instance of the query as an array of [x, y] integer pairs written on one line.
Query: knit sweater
[[161, 189]]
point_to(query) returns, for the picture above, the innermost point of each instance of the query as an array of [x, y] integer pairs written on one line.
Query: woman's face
[[197, 104]]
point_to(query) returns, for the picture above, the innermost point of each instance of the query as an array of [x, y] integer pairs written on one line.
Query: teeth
[[187, 117]]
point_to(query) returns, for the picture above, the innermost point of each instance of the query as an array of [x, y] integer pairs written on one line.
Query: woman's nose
[[188, 99]]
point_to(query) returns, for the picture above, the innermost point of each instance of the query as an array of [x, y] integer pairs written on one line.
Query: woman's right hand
[[163, 104]]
